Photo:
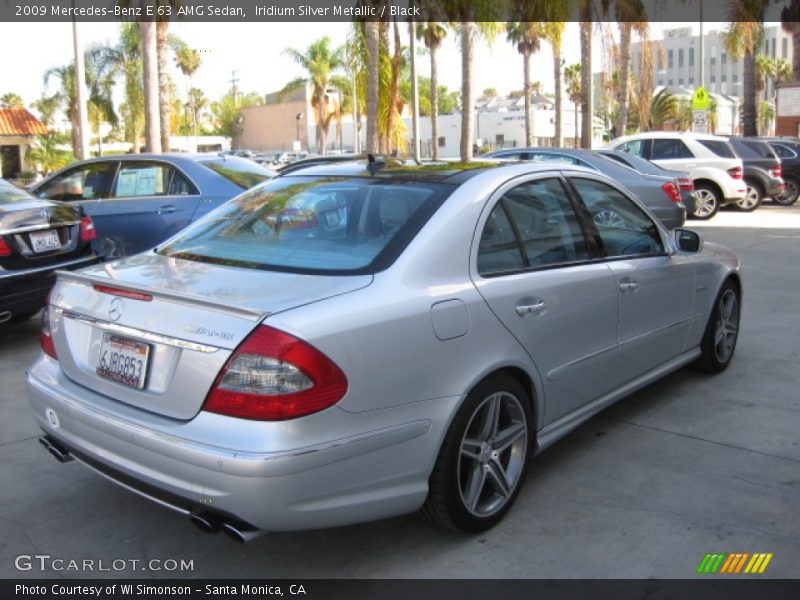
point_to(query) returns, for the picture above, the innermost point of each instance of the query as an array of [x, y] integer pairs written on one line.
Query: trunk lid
[[181, 319]]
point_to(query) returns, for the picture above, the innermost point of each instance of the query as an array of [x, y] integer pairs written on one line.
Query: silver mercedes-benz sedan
[[360, 340]]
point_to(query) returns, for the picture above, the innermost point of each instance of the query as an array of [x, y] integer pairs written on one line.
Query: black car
[[36, 238], [762, 171], [788, 150]]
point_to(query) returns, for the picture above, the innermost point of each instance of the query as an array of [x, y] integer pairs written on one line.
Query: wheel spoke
[[491, 418], [719, 335], [508, 436], [471, 449], [477, 480], [499, 479]]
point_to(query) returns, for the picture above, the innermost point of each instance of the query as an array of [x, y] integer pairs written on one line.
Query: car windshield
[[11, 193], [242, 172], [312, 225]]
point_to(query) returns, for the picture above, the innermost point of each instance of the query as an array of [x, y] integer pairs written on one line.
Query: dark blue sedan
[[138, 201]]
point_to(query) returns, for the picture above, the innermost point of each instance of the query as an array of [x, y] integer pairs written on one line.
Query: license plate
[[123, 360], [44, 241]]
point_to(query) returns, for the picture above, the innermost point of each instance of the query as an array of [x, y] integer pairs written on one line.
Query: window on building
[[442, 142], [691, 57], [723, 78], [713, 78], [680, 81], [680, 57], [774, 43], [691, 80], [499, 140], [712, 61], [661, 82], [723, 58], [784, 47], [670, 59], [670, 81], [735, 78]]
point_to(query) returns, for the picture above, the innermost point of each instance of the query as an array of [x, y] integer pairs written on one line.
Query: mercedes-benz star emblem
[[45, 214], [115, 309]]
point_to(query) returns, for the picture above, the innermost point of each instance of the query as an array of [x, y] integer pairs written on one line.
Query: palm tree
[[188, 61], [782, 71], [48, 107], [744, 35], [319, 61], [764, 71], [197, 102], [553, 31], [663, 110], [432, 34], [572, 76], [526, 36], [630, 14], [11, 100], [65, 75], [372, 35], [152, 113], [162, 54]]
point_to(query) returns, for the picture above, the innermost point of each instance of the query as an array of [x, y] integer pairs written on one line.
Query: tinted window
[[633, 147], [557, 158], [783, 151], [754, 149], [180, 186], [720, 148], [665, 149], [241, 172], [533, 225], [82, 183], [624, 228], [137, 179], [305, 224]]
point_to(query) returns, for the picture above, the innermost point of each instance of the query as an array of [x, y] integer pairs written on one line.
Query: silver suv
[[710, 161]]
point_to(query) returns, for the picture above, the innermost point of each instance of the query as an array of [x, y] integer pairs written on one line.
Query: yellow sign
[[700, 99]]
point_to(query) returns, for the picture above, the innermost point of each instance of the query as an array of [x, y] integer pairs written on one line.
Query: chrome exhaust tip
[[206, 522], [5, 316], [242, 532], [60, 453]]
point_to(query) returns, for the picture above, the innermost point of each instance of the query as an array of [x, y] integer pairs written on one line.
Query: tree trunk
[[558, 78], [586, 83], [152, 127], [577, 125], [322, 137], [796, 53], [394, 90], [467, 34], [526, 78], [434, 105], [373, 49], [749, 108], [621, 122], [162, 51]]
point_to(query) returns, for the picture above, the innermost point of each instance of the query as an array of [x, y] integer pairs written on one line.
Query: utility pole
[[234, 80], [702, 48], [81, 95], [414, 91]]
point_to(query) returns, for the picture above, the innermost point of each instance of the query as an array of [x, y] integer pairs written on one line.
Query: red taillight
[[5, 250], [776, 171], [115, 291], [45, 337], [88, 232], [735, 172], [686, 184], [672, 191], [274, 376]]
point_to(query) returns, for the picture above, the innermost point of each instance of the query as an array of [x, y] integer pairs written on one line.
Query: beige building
[[18, 129]]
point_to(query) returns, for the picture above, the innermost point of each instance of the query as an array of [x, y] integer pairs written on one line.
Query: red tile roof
[[18, 121]]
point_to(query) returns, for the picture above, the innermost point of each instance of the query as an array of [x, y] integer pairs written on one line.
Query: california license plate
[[44, 241], [123, 360]]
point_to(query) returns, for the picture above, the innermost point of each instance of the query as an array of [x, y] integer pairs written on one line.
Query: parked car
[[762, 171], [709, 160], [317, 160], [788, 150], [36, 238], [660, 193], [361, 340], [138, 201], [645, 167]]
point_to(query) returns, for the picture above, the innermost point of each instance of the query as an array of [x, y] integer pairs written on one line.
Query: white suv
[[710, 161]]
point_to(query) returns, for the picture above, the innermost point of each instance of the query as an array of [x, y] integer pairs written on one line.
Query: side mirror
[[687, 240]]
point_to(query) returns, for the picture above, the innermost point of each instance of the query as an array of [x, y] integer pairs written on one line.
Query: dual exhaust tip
[[205, 521]]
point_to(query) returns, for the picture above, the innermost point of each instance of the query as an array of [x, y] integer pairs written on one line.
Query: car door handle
[[534, 308], [165, 210], [628, 285]]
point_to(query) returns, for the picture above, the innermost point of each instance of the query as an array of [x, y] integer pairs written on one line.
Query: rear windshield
[[312, 225], [11, 193], [242, 172], [720, 148], [754, 149], [783, 151]]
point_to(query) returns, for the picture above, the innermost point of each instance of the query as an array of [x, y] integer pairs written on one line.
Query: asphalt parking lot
[[689, 466]]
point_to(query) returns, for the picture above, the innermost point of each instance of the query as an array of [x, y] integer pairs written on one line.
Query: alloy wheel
[[706, 203], [727, 328]]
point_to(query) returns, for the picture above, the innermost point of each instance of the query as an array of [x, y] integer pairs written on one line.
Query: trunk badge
[[115, 309]]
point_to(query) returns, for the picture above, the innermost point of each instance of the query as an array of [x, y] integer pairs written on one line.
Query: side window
[[665, 149], [633, 147], [533, 225], [554, 158], [624, 228], [498, 251], [180, 186], [83, 183], [783, 151], [142, 179]]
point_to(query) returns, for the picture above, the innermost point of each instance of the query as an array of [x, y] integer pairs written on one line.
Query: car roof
[[669, 134], [439, 172]]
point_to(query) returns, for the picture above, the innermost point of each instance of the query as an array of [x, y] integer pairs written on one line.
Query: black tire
[[708, 201], [790, 193], [753, 197], [722, 330], [471, 491]]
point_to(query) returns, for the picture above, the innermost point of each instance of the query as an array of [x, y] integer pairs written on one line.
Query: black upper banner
[[199, 11]]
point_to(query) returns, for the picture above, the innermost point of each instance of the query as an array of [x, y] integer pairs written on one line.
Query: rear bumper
[[337, 468]]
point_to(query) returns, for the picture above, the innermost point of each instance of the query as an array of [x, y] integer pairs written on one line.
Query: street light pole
[[297, 118]]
